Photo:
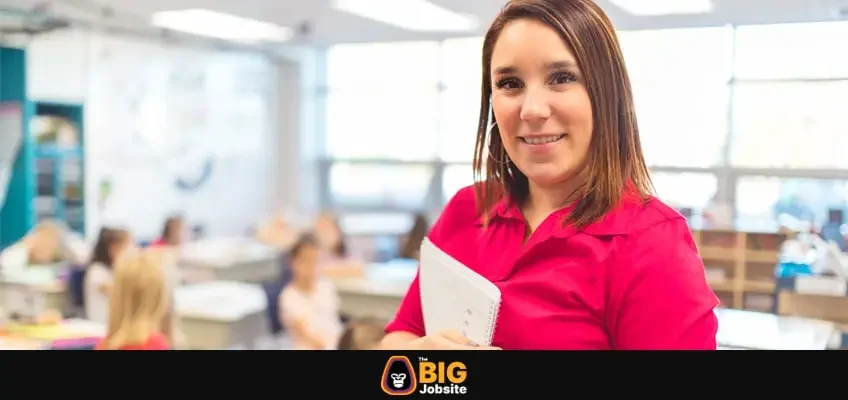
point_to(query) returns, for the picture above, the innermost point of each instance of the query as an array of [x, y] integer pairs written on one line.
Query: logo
[[402, 378]]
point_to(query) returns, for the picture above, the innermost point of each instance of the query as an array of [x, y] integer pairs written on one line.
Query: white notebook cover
[[455, 297]]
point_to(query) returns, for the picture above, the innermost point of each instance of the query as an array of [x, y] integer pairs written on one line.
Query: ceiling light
[[222, 26], [413, 15], [644, 8]]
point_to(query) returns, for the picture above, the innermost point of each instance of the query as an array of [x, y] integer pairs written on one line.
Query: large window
[[750, 115], [670, 118]]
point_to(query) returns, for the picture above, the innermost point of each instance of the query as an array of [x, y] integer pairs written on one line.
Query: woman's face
[[540, 103], [305, 265]]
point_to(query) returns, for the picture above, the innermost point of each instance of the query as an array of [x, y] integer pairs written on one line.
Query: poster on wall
[[11, 135]]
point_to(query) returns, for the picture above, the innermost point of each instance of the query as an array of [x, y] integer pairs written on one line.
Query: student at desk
[[309, 304], [410, 244], [98, 276], [564, 223], [173, 233], [140, 307], [336, 260], [42, 245]]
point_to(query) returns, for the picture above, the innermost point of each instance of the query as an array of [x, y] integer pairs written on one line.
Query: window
[[679, 129], [792, 51], [790, 124], [685, 189], [762, 199], [459, 111], [647, 54], [456, 177], [400, 186], [384, 124], [401, 65], [460, 102], [670, 117]]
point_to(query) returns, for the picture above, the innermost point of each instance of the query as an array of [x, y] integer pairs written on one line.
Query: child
[[173, 233], [336, 260], [140, 304], [98, 276], [362, 334], [309, 305], [42, 245]]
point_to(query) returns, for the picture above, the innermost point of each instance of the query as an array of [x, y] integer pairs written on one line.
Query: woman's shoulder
[[460, 213]]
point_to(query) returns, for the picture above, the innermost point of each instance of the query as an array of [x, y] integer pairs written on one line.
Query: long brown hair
[[616, 164]]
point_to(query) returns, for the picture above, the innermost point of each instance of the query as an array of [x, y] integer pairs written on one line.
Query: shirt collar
[[615, 222]]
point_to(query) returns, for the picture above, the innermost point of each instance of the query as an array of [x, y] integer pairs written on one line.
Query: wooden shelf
[[746, 261]]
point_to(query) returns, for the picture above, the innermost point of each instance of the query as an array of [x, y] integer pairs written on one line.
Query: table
[[229, 259], [763, 331], [43, 280], [379, 292], [221, 314]]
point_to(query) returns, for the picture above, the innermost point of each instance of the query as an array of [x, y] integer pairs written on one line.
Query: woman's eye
[[509, 83], [562, 78]]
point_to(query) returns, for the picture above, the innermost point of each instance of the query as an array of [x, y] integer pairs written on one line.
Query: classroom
[[271, 174]]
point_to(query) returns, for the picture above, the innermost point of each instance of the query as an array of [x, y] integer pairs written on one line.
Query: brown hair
[[412, 242], [616, 164]]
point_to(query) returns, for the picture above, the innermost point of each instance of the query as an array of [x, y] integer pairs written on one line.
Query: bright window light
[[222, 26], [664, 7], [413, 15]]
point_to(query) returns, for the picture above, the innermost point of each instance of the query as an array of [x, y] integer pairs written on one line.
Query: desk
[[226, 259], [43, 280], [72, 333], [379, 292], [762, 331], [219, 315]]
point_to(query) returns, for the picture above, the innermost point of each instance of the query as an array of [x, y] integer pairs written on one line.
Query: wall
[[159, 114]]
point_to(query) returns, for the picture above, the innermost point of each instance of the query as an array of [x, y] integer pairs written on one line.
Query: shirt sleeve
[[291, 306], [661, 298]]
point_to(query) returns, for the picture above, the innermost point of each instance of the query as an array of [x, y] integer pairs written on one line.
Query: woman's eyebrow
[[554, 65]]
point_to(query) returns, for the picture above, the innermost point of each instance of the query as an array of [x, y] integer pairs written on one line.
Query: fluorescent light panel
[[413, 15], [222, 26], [651, 8]]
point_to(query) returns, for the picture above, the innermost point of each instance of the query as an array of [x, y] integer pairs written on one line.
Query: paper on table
[[455, 297]]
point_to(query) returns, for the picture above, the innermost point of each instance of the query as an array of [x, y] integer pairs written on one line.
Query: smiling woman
[[562, 219]]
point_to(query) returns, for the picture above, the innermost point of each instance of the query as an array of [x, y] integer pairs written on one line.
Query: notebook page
[[455, 297]]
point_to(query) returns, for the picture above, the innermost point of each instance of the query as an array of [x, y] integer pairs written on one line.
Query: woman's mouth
[[541, 140]]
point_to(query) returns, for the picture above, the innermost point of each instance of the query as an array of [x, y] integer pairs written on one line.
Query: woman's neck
[[542, 201]]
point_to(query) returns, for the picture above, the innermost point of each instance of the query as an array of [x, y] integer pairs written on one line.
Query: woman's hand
[[446, 340]]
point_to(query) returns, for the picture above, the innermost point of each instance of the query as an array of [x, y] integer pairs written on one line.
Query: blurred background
[[243, 124]]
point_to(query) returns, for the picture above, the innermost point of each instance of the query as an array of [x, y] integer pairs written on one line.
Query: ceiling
[[327, 26]]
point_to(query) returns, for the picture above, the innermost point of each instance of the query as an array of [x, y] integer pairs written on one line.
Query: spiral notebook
[[453, 296]]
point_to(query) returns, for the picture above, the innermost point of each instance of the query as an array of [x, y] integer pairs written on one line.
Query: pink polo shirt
[[633, 280]]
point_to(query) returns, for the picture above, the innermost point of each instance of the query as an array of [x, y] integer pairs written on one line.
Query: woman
[[564, 223]]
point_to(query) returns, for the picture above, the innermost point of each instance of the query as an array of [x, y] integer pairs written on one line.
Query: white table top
[[390, 279], [763, 331], [223, 253], [219, 300]]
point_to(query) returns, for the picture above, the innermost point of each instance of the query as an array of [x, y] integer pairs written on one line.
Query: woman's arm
[[660, 298]]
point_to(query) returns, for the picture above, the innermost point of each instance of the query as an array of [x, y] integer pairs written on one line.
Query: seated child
[[42, 245], [98, 277], [309, 304], [139, 304], [362, 334]]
